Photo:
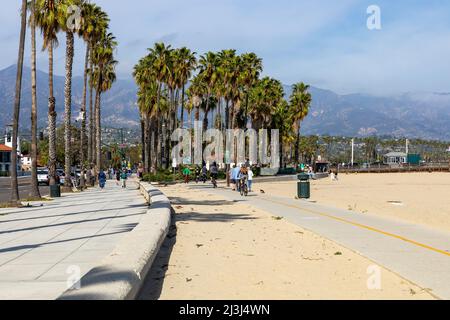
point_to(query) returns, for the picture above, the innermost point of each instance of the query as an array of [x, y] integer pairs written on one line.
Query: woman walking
[[123, 178], [102, 179]]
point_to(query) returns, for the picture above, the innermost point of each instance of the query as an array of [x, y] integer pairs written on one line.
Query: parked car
[[42, 177], [61, 176]]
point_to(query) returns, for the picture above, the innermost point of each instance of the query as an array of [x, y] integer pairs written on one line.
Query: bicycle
[[243, 187], [214, 180]]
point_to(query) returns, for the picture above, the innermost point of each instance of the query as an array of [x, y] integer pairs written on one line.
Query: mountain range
[[410, 115]]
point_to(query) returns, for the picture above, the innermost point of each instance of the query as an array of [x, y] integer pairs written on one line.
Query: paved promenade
[[42, 248], [414, 252]]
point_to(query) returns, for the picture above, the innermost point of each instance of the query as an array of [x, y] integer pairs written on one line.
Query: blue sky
[[325, 43]]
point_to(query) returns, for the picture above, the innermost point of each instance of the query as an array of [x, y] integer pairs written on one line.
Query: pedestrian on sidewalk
[[102, 179], [235, 177], [117, 177], [123, 178], [250, 179], [186, 175]]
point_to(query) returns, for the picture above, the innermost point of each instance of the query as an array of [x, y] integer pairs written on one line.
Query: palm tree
[[46, 12], [94, 22], [186, 67], [69, 28], [208, 75], [103, 78], [161, 69], [300, 102], [252, 68], [34, 192], [15, 199]]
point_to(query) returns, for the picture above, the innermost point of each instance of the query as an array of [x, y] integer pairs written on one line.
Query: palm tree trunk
[[297, 147], [14, 183], [83, 119], [143, 142], [182, 107], [146, 149], [154, 138], [34, 192], [98, 135], [91, 114], [158, 143], [51, 120], [68, 108]]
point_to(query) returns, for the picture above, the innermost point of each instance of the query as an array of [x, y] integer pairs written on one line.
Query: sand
[[227, 250], [420, 198]]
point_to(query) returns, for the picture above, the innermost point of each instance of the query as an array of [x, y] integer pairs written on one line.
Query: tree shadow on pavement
[[187, 202]]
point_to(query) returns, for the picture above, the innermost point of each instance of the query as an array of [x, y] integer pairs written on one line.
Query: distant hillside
[[118, 104], [413, 115]]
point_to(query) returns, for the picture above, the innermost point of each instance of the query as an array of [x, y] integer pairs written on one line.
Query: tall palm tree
[[15, 199], [47, 20], [161, 68], [69, 27], [252, 68], [187, 66], [34, 192], [300, 102], [94, 23], [208, 75], [103, 78]]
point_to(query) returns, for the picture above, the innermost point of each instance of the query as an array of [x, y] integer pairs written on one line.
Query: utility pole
[[407, 146], [353, 152]]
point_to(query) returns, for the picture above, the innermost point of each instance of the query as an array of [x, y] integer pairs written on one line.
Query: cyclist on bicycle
[[214, 173], [242, 178], [204, 174]]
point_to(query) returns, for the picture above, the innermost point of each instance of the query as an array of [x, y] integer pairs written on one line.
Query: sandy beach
[[227, 250], [420, 198]]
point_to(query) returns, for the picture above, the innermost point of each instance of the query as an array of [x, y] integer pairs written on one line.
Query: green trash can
[[55, 191], [303, 186]]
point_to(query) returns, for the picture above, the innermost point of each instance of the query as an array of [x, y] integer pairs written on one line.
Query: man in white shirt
[[250, 179]]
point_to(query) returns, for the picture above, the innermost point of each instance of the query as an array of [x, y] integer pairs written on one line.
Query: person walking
[[102, 179], [123, 178], [235, 177], [214, 170], [186, 175], [250, 179], [117, 177]]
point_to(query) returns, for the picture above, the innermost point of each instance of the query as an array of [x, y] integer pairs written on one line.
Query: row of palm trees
[[223, 83], [71, 18]]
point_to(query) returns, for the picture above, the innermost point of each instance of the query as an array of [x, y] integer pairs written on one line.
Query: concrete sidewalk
[[416, 253], [42, 248]]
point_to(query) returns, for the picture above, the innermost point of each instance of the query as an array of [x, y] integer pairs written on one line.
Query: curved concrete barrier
[[121, 274]]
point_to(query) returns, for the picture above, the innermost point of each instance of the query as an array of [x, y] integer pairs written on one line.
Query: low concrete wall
[[121, 274]]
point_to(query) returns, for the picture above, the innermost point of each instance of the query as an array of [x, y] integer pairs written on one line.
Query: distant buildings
[[395, 158], [6, 155], [401, 158], [5, 159]]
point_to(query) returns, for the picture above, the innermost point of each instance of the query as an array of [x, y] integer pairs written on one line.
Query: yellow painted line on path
[[392, 235]]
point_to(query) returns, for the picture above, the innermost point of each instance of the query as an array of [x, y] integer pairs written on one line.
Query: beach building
[[5, 159], [395, 158]]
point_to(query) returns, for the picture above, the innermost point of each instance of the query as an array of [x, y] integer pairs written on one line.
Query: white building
[[6, 154], [5, 159], [395, 158]]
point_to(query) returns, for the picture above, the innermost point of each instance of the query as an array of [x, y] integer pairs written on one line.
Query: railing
[[436, 167]]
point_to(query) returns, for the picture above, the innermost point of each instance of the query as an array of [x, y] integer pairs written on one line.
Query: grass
[[37, 199]]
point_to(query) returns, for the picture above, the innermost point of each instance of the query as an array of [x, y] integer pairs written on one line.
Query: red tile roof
[[5, 148]]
